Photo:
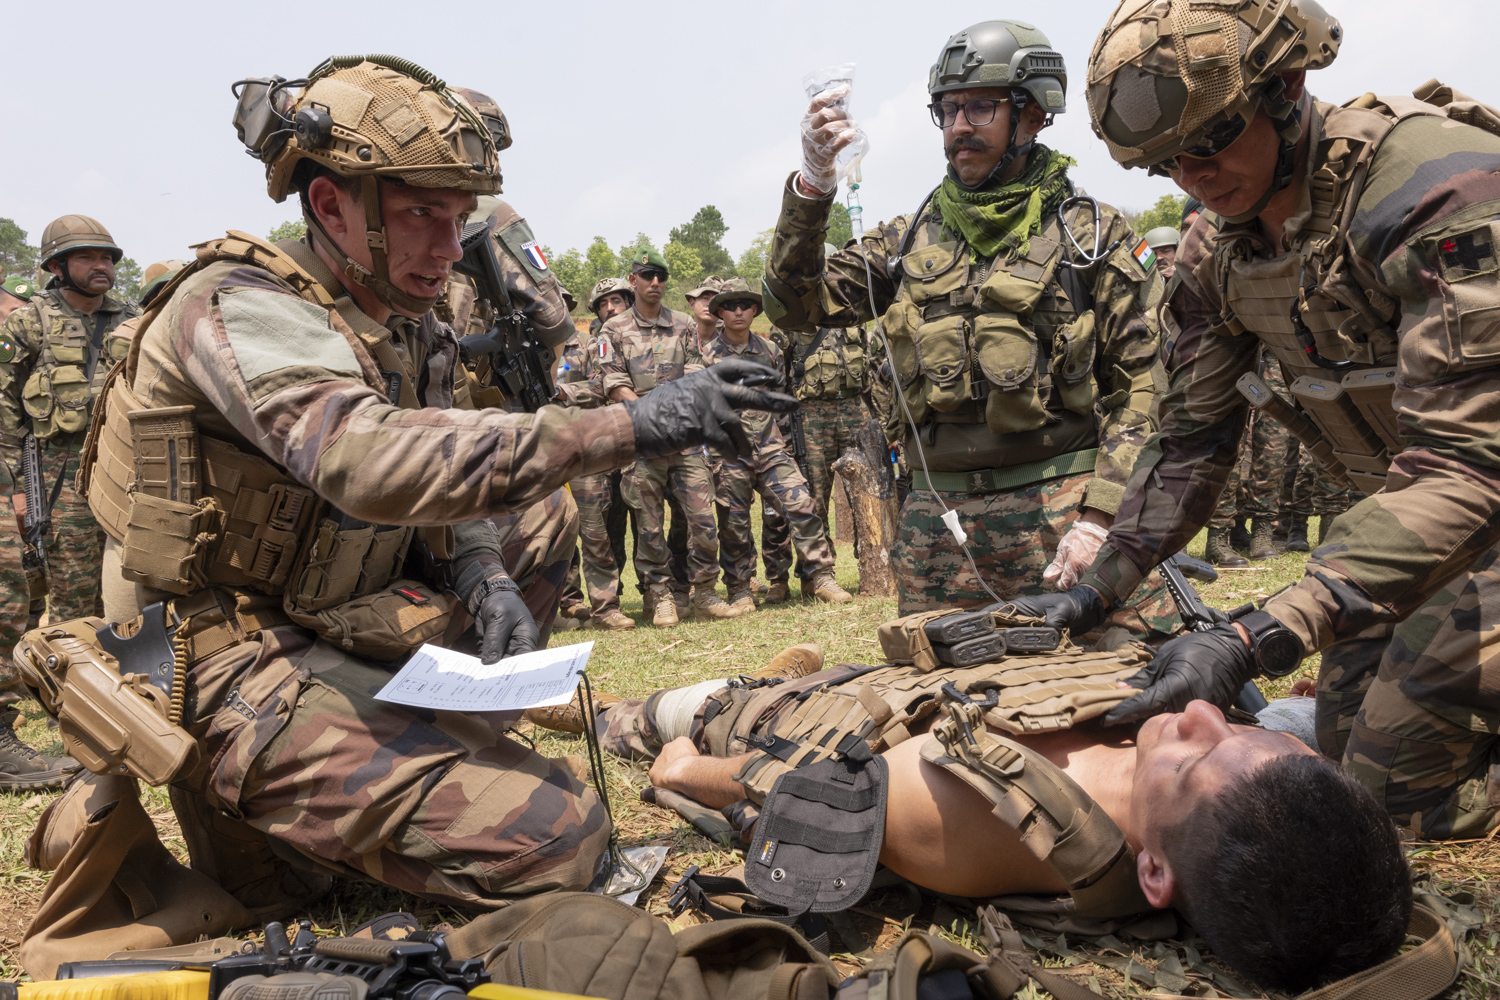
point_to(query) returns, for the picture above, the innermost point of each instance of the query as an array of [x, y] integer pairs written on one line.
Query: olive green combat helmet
[[1162, 236], [610, 286], [1009, 54], [74, 232], [367, 117], [1174, 77]]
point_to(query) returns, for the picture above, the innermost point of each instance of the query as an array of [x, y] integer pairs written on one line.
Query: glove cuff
[[494, 584]]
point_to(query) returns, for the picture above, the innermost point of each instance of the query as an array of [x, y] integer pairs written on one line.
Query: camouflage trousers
[[1315, 493], [775, 543], [781, 486], [537, 547], [1413, 710], [829, 426], [1264, 454], [627, 490], [686, 475], [1013, 536], [601, 573], [441, 804]]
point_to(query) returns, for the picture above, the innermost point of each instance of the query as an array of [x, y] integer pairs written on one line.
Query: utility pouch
[[907, 640], [166, 541], [347, 558], [1371, 390], [985, 649], [900, 324], [1355, 443], [1018, 287], [1073, 350], [935, 272], [943, 360], [165, 447], [386, 625], [1008, 353], [110, 723], [57, 401]]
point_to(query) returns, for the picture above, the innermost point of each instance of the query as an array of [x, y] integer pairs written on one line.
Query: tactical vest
[[195, 513], [830, 364], [1336, 337], [828, 714], [60, 393], [1009, 343]]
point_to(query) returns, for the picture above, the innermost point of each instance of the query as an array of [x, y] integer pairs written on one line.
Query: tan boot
[[741, 602], [708, 604], [613, 620], [664, 613], [825, 588], [567, 718], [793, 662], [778, 592]]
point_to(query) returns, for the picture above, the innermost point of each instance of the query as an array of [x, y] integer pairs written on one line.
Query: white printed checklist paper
[[446, 680]]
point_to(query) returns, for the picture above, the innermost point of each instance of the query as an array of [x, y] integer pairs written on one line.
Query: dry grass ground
[[635, 663]]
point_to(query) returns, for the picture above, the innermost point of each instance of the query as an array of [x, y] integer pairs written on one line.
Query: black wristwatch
[[500, 581], [1276, 648]]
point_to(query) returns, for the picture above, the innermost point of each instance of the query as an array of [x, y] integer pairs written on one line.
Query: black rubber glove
[[503, 622], [1078, 610], [700, 408], [1213, 665]]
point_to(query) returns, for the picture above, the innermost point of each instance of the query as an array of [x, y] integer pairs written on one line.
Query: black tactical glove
[[502, 620], [1213, 665], [1078, 610], [700, 408]]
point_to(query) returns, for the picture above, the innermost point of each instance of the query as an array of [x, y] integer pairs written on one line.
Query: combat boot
[[742, 602], [1219, 552], [683, 599], [1296, 535], [24, 769], [708, 604], [1324, 520], [567, 718], [613, 620], [664, 609], [1262, 542], [778, 592], [793, 662], [1239, 538], [825, 588]]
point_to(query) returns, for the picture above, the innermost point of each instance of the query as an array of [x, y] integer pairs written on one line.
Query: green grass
[[637, 662]]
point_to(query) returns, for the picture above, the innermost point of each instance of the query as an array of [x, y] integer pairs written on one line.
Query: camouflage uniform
[[1315, 493], [441, 804], [642, 354], [769, 471], [49, 377], [830, 375], [1409, 689], [1260, 495], [1070, 396]]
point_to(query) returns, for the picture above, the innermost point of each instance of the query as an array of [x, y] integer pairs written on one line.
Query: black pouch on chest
[[818, 841]]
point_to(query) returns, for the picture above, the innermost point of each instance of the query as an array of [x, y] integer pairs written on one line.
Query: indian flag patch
[[1144, 255], [533, 252]]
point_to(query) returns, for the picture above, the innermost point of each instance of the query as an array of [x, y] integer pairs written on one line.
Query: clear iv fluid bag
[[819, 80]]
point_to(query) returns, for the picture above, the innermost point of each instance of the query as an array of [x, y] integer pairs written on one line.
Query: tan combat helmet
[[74, 232], [367, 117], [610, 286], [156, 277], [1172, 77], [494, 119]]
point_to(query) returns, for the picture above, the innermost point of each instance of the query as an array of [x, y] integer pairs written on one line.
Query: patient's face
[[1183, 760]]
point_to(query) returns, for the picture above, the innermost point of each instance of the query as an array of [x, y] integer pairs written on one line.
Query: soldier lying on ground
[[1213, 812]]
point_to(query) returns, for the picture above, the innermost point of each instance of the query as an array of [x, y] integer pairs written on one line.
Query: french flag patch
[[1143, 255], [603, 350], [533, 252]]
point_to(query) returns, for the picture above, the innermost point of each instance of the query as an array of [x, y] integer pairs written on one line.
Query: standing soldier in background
[[54, 355], [1313, 493], [1259, 497], [650, 345], [21, 767], [1028, 383], [1163, 241], [769, 471], [596, 495], [698, 297]]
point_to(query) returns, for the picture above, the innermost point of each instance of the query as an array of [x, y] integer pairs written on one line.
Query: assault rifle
[[38, 519], [1199, 617], [522, 363], [799, 442]]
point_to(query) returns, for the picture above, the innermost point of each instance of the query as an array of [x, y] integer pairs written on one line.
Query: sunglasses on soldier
[[979, 111], [651, 274], [738, 305], [1210, 144]]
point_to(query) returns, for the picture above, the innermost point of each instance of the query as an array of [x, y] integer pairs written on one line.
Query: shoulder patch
[[1468, 254], [7, 350], [522, 245], [1143, 255], [271, 331]]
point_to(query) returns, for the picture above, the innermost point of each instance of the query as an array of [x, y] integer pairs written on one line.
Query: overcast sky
[[627, 117]]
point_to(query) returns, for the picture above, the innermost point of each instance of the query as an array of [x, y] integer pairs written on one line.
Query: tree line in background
[[692, 251]]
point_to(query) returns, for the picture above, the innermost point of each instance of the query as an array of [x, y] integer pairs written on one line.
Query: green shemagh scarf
[[1003, 218]]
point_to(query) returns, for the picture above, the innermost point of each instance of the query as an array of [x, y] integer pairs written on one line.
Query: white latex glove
[[1075, 554], [825, 131]]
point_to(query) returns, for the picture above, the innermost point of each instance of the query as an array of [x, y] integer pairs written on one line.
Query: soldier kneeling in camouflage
[[289, 526], [1006, 785]]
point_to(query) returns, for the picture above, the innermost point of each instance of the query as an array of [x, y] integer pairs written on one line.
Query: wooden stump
[[870, 487]]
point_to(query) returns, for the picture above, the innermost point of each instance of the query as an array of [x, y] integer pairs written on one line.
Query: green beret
[[21, 288], [649, 258]]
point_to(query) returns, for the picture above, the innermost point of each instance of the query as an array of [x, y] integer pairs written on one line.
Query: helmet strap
[[376, 278], [1287, 117]]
